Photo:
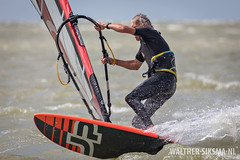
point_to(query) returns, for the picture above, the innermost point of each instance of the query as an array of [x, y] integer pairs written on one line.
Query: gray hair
[[142, 19]]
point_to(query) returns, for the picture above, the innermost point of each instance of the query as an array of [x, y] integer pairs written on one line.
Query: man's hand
[[102, 26], [104, 60]]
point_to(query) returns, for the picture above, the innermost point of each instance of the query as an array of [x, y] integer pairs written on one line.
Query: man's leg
[[143, 91], [157, 90], [151, 105]]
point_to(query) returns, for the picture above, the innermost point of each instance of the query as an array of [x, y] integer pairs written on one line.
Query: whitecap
[[205, 81], [208, 128], [120, 110], [175, 27], [62, 106]]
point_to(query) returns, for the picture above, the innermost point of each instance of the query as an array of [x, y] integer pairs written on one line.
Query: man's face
[[134, 25]]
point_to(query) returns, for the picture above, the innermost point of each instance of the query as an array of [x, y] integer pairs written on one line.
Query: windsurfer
[[161, 82]]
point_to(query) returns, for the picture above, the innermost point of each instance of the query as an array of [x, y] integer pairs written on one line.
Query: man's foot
[[148, 127]]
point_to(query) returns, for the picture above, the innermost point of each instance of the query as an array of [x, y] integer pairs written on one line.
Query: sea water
[[203, 116]]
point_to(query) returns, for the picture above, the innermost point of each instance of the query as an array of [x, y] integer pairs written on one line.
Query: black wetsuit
[[159, 86]]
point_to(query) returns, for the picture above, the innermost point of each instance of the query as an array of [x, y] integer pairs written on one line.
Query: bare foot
[[150, 126]]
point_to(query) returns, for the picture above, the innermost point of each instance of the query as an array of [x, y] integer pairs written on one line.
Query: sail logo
[[84, 136]]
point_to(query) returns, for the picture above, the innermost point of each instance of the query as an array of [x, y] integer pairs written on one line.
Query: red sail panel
[[53, 14]]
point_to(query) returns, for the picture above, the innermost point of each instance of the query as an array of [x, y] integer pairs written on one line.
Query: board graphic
[[97, 138]]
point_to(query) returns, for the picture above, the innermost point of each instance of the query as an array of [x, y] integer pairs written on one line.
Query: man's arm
[[117, 27], [128, 64]]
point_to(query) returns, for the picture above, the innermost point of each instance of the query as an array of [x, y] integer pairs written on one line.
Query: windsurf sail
[[63, 27]]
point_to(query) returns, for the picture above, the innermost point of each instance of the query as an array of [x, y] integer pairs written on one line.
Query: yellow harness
[[171, 70]]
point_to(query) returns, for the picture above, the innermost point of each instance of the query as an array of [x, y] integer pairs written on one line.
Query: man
[[161, 82]]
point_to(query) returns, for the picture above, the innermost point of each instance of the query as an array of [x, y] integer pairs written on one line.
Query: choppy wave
[[62, 106], [213, 127], [120, 109], [193, 80], [15, 110]]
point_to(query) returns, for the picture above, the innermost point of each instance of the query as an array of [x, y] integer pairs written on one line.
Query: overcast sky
[[116, 10]]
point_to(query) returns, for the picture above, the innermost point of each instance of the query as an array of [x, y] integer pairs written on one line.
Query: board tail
[[73, 52]]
